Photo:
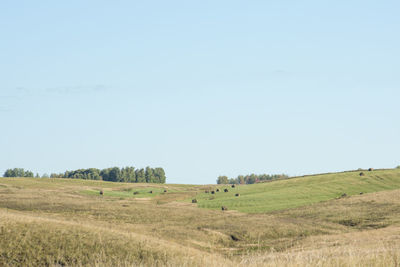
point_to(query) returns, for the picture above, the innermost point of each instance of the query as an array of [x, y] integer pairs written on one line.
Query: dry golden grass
[[53, 223], [367, 248]]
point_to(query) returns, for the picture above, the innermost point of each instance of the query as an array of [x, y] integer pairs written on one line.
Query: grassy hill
[[295, 222], [300, 191]]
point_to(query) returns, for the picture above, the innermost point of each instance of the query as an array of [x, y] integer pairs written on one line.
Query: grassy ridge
[[300, 191]]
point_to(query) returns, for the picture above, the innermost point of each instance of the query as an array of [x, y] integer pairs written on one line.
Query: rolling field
[[296, 192], [295, 222]]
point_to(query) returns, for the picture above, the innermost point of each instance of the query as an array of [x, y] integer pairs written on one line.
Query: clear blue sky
[[201, 88]]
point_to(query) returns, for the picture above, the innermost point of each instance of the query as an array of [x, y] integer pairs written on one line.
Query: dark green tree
[[28, 174], [105, 174], [233, 181], [140, 176], [149, 174], [222, 180], [159, 175], [115, 175]]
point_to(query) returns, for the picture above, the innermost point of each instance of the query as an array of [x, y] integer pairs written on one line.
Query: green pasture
[[296, 192], [141, 192]]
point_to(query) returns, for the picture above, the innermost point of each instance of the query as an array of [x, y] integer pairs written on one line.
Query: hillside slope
[[297, 192]]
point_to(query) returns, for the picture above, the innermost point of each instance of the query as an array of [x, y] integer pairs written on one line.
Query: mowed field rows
[[294, 222]]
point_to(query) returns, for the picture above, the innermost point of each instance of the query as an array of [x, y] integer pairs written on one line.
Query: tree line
[[250, 179], [18, 172], [115, 174]]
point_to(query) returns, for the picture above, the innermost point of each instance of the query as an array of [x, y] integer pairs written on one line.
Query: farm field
[[295, 222], [296, 192]]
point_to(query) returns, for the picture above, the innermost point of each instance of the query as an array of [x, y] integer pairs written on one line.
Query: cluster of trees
[[250, 179], [18, 172], [127, 174]]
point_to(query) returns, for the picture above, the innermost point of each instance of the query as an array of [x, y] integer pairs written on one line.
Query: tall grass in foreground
[[381, 255], [40, 242], [34, 244]]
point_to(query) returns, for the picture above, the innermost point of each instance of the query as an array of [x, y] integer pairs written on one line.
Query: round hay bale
[[194, 200], [224, 208], [226, 190], [235, 238], [237, 195]]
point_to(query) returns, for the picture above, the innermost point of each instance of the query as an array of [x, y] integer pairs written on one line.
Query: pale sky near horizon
[[202, 89]]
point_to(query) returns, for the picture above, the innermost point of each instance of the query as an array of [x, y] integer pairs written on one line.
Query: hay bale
[[194, 200], [224, 208], [101, 192], [362, 174], [237, 195], [235, 238], [226, 190]]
